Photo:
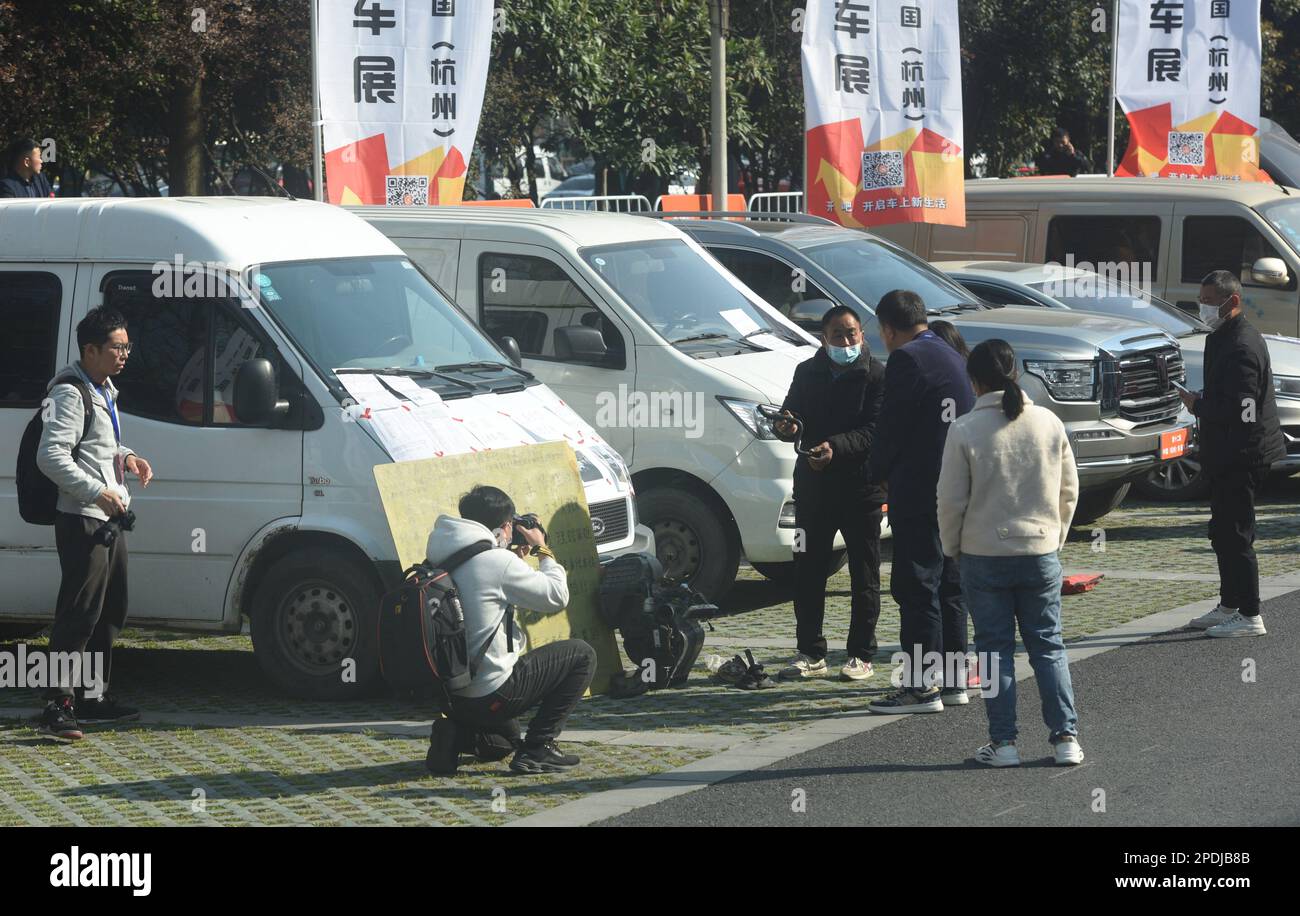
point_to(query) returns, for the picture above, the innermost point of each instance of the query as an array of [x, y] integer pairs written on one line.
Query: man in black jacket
[[926, 389], [23, 167], [1239, 438], [836, 394]]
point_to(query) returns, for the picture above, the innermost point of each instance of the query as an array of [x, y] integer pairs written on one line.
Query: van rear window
[[29, 308], [1105, 239]]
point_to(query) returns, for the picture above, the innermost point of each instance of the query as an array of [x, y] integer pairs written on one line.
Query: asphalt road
[[1171, 732]]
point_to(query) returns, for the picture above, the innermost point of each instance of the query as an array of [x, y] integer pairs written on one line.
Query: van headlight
[[622, 478], [747, 413], [1066, 380], [1286, 386]]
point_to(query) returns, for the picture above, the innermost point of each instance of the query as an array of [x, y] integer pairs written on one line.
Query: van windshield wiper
[[411, 373], [715, 336], [463, 367]]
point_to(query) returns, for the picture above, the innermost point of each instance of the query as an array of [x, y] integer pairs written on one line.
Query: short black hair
[[1059, 133], [1225, 283], [835, 311], [901, 309], [99, 323], [488, 506], [18, 149]]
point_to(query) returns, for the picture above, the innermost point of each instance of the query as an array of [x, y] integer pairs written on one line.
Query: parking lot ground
[[218, 745]]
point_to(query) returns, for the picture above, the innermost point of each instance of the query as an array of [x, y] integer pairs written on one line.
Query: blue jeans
[[1001, 592]]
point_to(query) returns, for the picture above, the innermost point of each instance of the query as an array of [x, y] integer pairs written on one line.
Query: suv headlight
[[1070, 380], [747, 413], [1286, 386]]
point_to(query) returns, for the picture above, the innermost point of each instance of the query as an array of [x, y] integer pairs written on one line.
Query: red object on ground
[[1074, 585]]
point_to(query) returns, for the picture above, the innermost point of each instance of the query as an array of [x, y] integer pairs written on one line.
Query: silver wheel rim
[[318, 628], [1175, 475], [678, 548]]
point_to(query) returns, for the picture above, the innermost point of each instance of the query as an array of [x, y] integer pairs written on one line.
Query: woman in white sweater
[[1007, 492]]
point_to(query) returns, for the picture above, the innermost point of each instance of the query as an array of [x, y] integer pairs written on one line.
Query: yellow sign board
[[540, 478]]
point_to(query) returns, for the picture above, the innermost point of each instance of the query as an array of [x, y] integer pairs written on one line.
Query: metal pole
[[1110, 100], [718, 23], [317, 184]]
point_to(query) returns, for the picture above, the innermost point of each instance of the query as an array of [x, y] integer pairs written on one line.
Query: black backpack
[[38, 496], [422, 639]]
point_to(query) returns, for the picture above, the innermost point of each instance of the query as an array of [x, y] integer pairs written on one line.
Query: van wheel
[[693, 542], [1093, 504], [1174, 481], [312, 613], [783, 573]]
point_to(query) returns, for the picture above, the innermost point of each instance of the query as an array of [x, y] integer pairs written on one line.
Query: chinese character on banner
[[1188, 78], [884, 124], [401, 86]]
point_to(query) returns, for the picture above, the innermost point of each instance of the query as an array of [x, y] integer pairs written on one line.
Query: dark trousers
[[553, 678], [1232, 534], [819, 516], [927, 587], [91, 608]]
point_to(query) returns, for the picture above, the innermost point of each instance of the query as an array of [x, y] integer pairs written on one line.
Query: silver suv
[[1110, 380]]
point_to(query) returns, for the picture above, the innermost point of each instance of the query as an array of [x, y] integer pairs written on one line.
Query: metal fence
[[777, 202], [613, 203]]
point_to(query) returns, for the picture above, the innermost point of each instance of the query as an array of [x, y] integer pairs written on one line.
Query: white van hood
[[769, 374]]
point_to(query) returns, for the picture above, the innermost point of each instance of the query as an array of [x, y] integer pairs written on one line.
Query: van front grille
[[609, 520]]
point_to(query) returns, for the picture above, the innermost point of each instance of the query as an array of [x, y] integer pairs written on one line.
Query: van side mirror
[[808, 314], [511, 348], [257, 401], [579, 344], [1270, 272]]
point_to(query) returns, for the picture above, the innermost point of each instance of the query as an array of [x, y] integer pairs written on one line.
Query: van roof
[[584, 228], [235, 231], [1099, 187]]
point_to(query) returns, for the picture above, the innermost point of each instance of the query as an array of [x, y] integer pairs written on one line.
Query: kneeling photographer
[[505, 684]]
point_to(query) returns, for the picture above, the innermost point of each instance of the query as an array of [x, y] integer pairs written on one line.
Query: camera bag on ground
[[422, 637], [660, 622], [38, 496]]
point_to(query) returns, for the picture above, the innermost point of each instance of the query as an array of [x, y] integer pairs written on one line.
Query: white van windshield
[[1123, 302], [680, 293], [871, 269], [369, 313], [1285, 217]]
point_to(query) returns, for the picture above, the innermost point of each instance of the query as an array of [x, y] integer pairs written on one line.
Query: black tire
[[1174, 481], [20, 630], [1094, 504], [693, 540], [783, 573], [313, 610]]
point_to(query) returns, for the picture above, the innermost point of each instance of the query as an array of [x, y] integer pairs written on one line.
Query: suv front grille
[[610, 519], [1146, 391]]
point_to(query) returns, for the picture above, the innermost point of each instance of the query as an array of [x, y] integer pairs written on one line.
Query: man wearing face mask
[[506, 684], [836, 394], [1239, 438]]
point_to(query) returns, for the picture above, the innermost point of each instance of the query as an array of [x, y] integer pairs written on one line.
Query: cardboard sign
[[540, 478]]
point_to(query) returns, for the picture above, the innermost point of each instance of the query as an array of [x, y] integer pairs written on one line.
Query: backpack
[[38, 496], [422, 639]]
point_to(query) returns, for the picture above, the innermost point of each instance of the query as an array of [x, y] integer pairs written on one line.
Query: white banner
[[1188, 79], [401, 89], [882, 92]]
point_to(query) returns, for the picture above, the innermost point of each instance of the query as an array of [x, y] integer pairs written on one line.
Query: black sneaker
[[543, 759], [105, 709], [58, 720]]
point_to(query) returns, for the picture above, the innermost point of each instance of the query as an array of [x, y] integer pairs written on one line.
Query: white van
[[651, 340], [1175, 231], [249, 319]]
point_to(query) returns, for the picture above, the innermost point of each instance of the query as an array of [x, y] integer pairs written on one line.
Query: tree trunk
[[185, 136], [530, 169]]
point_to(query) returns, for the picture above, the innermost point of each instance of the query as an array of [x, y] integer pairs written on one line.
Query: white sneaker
[[954, 696], [1239, 625], [803, 666], [855, 669], [999, 755], [1215, 617], [1067, 752]]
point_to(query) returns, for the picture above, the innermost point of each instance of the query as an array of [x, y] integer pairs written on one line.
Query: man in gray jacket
[[89, 471], [505, 683]]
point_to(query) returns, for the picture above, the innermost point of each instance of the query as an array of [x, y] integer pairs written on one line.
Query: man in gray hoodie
[[506, 684], [90, 472]]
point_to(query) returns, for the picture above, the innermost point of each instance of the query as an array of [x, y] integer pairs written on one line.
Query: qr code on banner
[[1186, 148], [882, 170], [407, 190]]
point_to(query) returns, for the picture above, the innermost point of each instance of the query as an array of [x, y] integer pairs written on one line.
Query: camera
[[525, 521], [107, 533]]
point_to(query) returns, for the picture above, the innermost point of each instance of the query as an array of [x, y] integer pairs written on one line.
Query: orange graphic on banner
[[917, 176], [356, 173], [1230, 149]]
